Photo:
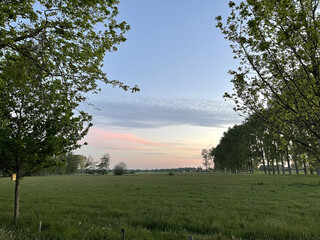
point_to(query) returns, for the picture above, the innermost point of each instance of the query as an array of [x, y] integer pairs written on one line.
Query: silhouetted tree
[[104, 162]]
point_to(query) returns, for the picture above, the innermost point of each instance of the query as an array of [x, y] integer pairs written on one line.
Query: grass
[[159, 206]]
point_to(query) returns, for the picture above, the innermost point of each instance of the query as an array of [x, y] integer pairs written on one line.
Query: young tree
[[206, 158], [277, 43], [51, 54], [105, 162], [89, 163], [120, 168]]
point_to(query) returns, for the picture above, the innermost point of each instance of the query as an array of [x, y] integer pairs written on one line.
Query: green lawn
[[159, 206]]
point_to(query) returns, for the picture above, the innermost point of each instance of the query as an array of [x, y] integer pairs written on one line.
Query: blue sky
[[180, 61]]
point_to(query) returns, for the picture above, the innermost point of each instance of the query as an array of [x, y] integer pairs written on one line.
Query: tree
[[277, 44], [83, 163], [243, 147], [120, 168], [51, 55], [90, 163], [75, 162], [105, 162], [206, 158]]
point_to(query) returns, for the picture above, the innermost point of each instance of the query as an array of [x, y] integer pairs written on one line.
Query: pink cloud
[[138, 151], [98, 137]]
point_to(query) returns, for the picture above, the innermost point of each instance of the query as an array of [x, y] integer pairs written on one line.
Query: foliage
[[156, 206], [244, 147], [51, 55], [89, 163], [105, 162], [74, 163], [120, 169], [206, 158], [277, 44], [234, 151]]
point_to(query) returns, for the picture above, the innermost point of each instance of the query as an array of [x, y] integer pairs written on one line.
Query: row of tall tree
[[254, 143], [277, 86]]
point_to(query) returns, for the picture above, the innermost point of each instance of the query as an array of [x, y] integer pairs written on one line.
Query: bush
[[120, 169]]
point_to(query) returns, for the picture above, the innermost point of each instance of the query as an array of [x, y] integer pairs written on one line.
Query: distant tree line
[[71, 163], [165, 170]]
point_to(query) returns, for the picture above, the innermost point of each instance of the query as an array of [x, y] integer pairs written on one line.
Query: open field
[[159, 206]]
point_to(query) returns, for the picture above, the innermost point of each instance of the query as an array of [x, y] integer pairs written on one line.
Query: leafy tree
[[233, 153], [51, 55], [83, 163], [120, 168], [105, 162], [243, 147], [277, 44], [206, 158], [74, 163], [60, 169], [90, 163]]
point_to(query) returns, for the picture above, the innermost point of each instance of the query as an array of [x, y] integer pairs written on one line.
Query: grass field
[[159, 206]]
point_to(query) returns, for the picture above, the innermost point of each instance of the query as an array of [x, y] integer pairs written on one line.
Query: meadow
[[160, 206]]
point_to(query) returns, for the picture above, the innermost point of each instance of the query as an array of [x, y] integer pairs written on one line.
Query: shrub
[[120, 169]]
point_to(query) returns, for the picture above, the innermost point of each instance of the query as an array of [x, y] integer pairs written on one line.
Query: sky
[[180, 61]]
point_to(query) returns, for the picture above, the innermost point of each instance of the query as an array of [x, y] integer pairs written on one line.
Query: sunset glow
[[181, 65]]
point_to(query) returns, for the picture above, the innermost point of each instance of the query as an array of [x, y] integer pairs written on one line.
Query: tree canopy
[[277, 44], [246, 146], [104, 162], [51, 57]]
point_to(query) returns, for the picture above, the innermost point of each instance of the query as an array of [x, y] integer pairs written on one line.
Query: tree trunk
[[282, 163], [16, 200], [296, 164], [273, 169], [277, 164], [251, 166], [264, 163], [305, 167], [268, 165], [288, 161]]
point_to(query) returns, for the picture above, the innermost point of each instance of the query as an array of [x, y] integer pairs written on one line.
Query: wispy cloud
[[155, 153], [142, 151], [102, 137], [148, 112]]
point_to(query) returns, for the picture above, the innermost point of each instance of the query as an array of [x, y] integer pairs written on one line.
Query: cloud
[[149, 112], [127, 142], [155, 153], [102, 137]]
